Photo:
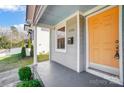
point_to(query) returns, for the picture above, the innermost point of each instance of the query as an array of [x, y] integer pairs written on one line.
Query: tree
[[23, 52], [4, 43], [14, 34], [32, 51], [14, 30], [29, 43]]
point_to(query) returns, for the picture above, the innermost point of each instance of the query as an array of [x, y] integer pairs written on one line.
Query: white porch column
[[50, 46], [35, 45]]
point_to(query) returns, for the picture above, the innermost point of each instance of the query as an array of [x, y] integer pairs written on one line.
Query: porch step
[[8, 78]]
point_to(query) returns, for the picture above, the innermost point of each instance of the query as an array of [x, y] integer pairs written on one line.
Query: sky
[[12, 15]]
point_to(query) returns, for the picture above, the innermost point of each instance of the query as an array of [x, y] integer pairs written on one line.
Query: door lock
[[116, 56]]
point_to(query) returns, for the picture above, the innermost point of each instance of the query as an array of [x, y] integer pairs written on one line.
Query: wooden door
[[103, 34]]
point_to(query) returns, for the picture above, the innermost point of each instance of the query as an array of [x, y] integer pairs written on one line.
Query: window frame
[[56, 43]]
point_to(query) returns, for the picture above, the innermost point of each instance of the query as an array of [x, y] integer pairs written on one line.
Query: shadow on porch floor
[[56, 75]]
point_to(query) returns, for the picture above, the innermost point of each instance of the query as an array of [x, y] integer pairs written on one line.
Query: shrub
[[23, 52], [32, 51], [43, 57], [23, 42], [31, 83], [25, 73], [29, 43]]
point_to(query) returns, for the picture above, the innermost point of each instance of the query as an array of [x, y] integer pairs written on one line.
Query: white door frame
[[113, 79]]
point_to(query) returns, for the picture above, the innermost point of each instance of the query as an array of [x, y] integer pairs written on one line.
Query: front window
[[60, 38]]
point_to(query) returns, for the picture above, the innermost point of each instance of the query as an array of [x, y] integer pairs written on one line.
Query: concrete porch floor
[[56, 75]]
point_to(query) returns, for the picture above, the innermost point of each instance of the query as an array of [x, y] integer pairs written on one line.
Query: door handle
[[116, 56]]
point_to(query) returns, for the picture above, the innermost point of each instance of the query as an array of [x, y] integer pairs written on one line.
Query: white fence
[[9, 52]]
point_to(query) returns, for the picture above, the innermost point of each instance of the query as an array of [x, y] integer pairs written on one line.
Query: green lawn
[[15, 61], [42, 57]]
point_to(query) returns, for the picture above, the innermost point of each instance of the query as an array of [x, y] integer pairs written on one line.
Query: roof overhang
[[52, 14], [33, 13], [30, 11]]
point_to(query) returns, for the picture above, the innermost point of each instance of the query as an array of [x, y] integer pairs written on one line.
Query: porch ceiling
[[56, 13]]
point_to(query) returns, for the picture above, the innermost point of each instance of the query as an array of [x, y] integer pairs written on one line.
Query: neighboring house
[[83, 37], [42, 40]]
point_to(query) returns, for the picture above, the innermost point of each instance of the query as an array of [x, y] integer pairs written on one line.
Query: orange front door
[[103, 33]]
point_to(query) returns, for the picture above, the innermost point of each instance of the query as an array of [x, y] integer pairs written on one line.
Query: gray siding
[[68, 59]]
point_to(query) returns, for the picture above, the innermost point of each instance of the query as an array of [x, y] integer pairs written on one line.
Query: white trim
[[102, 75], [49, 44], [56, 49], [60, 50], [45, 25], [100, 11], [78, 41], [94, 9], [35, 45], [120, 80], [40, 13], [108, 69], [87, 46], [120, 45], [66, 19]]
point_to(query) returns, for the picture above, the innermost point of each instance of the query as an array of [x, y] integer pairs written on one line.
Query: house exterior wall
[[68, 58]]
